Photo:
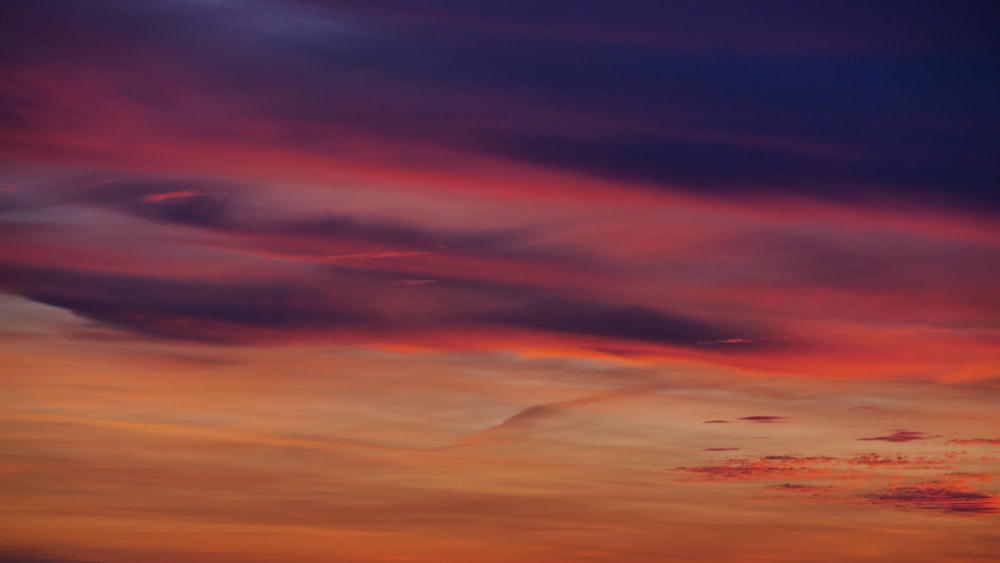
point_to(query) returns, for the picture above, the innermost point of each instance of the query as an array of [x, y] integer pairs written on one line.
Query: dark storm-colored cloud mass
[[890, 106]]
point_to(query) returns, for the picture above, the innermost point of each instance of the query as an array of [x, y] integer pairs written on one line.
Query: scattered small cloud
[[900, 436], [975, 442], [716, 422], [763, 468], [937, 496], [896, 481], [872, 460], [765, 419], [721, 449]]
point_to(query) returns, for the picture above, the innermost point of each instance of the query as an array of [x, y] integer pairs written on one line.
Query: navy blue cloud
[[344, 301], [636, 323], [887, 103]]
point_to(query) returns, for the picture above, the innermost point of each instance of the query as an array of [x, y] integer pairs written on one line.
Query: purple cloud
[[943, 497], [765, 419], [900, 436]]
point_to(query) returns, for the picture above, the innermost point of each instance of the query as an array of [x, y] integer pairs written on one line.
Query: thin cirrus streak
[[901, 436], [330, 280], [975, 441]]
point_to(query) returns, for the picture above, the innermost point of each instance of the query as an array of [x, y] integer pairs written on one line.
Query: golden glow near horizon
[[124, 450]]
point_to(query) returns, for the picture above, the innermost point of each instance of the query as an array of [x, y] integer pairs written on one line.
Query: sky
[[455, 281]]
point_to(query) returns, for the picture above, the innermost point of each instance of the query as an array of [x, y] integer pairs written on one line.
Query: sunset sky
[[468, 281]]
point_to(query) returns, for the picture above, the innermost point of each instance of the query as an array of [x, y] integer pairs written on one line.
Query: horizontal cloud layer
[[871, 112]]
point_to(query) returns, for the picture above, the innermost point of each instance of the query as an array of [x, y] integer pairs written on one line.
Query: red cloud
[[880, 480], [764, 468], [975, 442], [156, 198]]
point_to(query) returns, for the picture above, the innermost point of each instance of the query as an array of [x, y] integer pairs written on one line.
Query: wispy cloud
[[765, 418], [937, 496], [896, 481], [975, 441], [901, 436]]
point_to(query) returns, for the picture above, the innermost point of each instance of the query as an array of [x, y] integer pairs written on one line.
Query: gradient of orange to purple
[[384, 281]]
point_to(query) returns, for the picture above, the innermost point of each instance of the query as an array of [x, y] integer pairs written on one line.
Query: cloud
[[729, 170], [347, 303], [366, 87], [342, 240], [874, 460], [22, 555], [897, 481], [975, 441], [901, 436], [307, 96], [527, 417], [764, 468], [721, 449], [716, 422], [800, 488], [210, 205], [714, 24], [637, 323], [937, 496], [157, 198], [751, 468], [189, 309], [765, 418]]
